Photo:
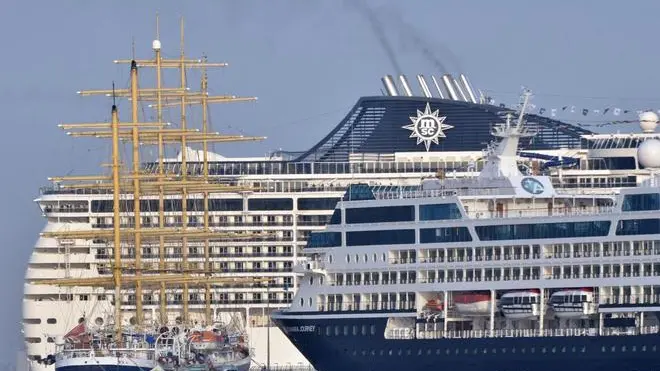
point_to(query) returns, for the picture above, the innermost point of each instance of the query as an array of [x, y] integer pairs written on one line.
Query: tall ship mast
[[129, 233], [287, 195]]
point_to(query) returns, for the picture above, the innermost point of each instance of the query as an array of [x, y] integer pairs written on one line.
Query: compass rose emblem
[[427, 127]]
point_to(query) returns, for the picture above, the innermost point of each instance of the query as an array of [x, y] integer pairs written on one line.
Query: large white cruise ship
[[394, 140], [502, 271]]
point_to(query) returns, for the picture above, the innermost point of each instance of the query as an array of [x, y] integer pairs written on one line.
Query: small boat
[[520, 305], [574, 303], [473, 303]]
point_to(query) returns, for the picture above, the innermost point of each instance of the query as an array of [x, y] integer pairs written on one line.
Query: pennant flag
[[584, 111], [605, 110], [572, 109], [564, 108], [553, 112], [541, 111], [617, 111]]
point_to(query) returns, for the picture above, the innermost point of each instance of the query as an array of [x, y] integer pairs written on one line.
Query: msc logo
[[427, 126], [532, 186]]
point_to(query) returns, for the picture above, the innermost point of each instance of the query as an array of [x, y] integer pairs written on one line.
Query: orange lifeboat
[[204, 340]]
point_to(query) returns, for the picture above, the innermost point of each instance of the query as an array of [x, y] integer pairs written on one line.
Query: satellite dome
[[648, 153], [648, 121]]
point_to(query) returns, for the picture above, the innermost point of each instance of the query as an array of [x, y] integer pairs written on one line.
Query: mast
[[184, 175], [116, 271], [205, 170], [136, 192]]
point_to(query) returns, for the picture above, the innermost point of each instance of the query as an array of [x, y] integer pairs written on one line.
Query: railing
[[399, 333], [134, 352], [544, 212]]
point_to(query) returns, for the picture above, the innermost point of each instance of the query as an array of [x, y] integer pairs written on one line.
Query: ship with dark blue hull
[[498, 272]]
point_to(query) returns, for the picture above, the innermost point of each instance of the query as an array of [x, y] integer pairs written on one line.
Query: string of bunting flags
[[605, 113]]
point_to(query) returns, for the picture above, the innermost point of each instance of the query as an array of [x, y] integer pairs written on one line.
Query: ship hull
[[373, 352], [104, 364]]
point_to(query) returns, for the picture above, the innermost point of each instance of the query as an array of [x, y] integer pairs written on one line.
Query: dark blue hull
[[343, 348], [102, 367]]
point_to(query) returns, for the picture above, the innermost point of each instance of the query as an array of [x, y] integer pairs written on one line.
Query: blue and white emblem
[[532, 186], [427, 127]]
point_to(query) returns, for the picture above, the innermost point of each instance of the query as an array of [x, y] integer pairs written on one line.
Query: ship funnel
[[437, 86], [390, 87], [461, 94], [468, 88], [406, 87], [449, 85], [424, 86]]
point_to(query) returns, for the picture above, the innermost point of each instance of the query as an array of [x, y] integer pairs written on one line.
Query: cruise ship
[[294, 194], [503, 271]]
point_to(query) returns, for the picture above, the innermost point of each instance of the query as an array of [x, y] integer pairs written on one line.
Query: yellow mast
[[207, 253], [136, 191], [116, 272], [184, 173]]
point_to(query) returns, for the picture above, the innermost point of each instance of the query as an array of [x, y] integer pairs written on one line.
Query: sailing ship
[[136, 344]]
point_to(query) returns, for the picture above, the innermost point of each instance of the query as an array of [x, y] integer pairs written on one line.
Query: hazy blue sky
[[307, 61]]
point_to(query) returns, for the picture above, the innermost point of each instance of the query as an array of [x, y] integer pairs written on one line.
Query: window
[[336, 217], [317, 203], [358, 192], [643, 202], [450, 234], [439, 212], [637, 226], [384, 237], [380, 214], [269, 204], [324, 239], [51, 321], [546, 230]]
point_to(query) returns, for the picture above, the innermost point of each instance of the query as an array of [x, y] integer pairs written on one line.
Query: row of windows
[[451, 234], [384, 237], [540, 231], [642, 202], [386, 214], [256, 204], [638, 226], [523, 350], [324, 239]]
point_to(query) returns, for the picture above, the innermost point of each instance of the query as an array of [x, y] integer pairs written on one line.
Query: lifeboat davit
[[574, 303], [520, 305], [472, 304]]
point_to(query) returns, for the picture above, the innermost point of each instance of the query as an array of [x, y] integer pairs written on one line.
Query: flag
[[605, 110], [541, 111], [553, 112], [564, 108], [572, 109], [584, 111], [617, 111]]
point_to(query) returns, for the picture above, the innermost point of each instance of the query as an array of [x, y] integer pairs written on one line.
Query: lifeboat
[[204, 340], [521, 305], [473, 303], [434, 306], [574, 303]]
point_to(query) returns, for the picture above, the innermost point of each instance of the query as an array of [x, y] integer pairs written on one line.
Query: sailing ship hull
[[367, 352], [104, 364]]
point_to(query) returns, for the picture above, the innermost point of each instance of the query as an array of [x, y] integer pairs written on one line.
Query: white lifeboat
[[574, 303], [473, 303], [520, 305]]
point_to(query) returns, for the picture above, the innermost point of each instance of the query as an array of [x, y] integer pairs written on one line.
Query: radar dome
[[648, 153], [648, 121]]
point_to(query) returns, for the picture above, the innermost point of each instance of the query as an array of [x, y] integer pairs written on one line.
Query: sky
[[307, 62]]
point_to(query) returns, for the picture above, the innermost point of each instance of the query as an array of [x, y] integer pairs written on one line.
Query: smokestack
[[449, 85], [460, 90], [424, 86], [437, 86], [468, 88], [406, 87], [390, 87]]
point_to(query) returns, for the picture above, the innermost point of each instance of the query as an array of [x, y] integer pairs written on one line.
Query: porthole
[[613, 349], [364, 330], [373, 329], [311, 280], [375, 257], [543, 350], [437, 351], [373, 352], [634, 348], [321, 280], [447, 351], [133, 321], [602, 349], [354, 352], [336, 330], [654, 348], [533, 350], [357, 258], [494, 350], [328, 332], [382, 352], [554, 350], [309, 301], [330, 258], [345, 330], [485, 350], [503, 350], [51, 321], [513, 350], [428, 352], [643, 348], [522, 350], [466, 351], [400, 352], [348, 258], [457, 351], [50, 339], [623, 348], [98, 321], [302, 302], [364, 353], [366, 259], [384, 256], [584, 349], [355, 330], [390, 352]]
